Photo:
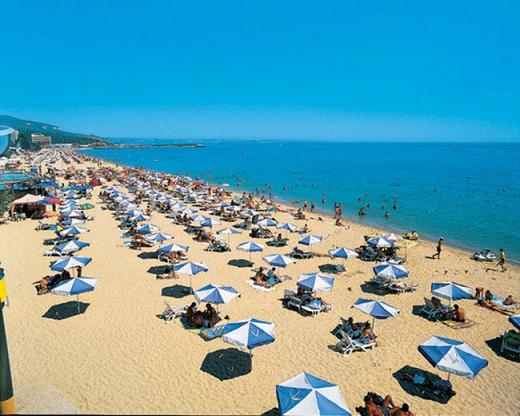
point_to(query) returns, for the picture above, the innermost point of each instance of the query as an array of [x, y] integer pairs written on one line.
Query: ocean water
[[468, 193]]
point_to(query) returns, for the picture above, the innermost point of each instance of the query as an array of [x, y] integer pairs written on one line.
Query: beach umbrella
[[140, 218], [216, 294], [267, 222], [278, 260], [377, 309], [171, 248], [229, 231], [249, 334], [225, 185], [71, 246], [380, 242], [451, 291], [147, 229], [251, 247], [191, 269], [342, 253], [73, 231], [249, 212], [72, 221], [306, 394], [316, 282], [390, 271], [158, 237], [209, 222], [452, 356], [392, 237], [288, 227], [72, 214], [310, 239], [75, 286], [515, 320], [199, 218], [69, 262]]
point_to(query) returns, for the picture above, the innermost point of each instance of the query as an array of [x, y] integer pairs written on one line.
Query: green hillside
[[26, 127]]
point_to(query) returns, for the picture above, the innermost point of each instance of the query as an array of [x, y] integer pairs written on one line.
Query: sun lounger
[[300, 256], [53, 252], [291, 300], [432, 312], [278, 243], [347, 345], [218, 246], [352, 333], [510, 342], [170, 314]]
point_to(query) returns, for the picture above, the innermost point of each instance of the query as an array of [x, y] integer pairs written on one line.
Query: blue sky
[[388, 70]]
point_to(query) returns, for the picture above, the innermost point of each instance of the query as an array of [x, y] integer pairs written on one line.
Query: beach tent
[[316, 282], [306, 394], [28, 199], [249, 334], [75, 287], [377, 309], [310, 239], [278, 260], [452, 356], [390, 271]]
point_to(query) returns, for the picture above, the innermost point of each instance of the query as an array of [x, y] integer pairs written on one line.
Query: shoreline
[[351, 219]]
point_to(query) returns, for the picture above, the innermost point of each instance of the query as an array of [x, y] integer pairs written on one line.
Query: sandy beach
[[119, 357]]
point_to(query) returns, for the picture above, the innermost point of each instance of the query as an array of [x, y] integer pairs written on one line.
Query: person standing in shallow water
[[502, 260], [439, 248]]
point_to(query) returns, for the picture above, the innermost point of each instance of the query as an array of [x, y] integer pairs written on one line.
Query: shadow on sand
[[240, 263], [495, 344], [66, 310], [175, 291], [434, 387], [227, 364]]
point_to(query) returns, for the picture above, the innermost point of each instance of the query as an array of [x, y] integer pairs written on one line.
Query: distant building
[[41, 139]]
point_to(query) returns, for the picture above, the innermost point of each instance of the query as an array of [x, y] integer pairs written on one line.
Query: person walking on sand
[[502, 259], [312, 206], [305, 205], [439, 248]]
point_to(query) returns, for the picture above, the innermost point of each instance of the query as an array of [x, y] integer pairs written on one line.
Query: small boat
[[484, 255]]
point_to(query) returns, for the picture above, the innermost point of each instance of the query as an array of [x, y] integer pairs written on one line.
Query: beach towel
[[260, 288], [209, 334], [459, 325]]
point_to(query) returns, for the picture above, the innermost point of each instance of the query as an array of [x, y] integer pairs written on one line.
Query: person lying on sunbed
[[309, 300], [458, 314], [367, 335], [382, 409], [297, 250], [170, 274], [509, 300]]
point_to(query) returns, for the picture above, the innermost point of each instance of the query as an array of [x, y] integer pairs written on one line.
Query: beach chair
[[510, 342], [300, 256], [291, 300], [54, 252], [401, 288], [431, 311], [170, 314], [347, 345], [352, 333]]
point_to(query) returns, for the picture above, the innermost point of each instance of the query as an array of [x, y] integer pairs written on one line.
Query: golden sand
[[118, 357]]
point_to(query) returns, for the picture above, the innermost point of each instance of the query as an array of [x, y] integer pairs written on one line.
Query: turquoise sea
[[468, 193]]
